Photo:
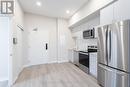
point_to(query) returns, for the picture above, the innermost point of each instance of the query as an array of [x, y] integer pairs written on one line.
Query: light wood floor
[[54, 75]]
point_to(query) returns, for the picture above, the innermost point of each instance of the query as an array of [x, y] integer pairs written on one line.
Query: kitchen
[[111, 14], [82, 40], [86, 43]]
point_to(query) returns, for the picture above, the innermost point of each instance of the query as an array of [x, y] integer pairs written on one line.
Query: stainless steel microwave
[[88, 34]]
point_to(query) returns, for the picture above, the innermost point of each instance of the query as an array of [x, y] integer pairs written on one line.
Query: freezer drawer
[[108, 77]]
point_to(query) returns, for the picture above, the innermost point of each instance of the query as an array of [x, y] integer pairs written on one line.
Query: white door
[[39, 47]]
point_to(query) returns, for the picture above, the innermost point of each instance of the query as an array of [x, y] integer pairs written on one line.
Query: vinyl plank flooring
[[54, 75]]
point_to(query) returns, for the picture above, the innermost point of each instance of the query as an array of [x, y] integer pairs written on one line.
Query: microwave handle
[[93, 32]]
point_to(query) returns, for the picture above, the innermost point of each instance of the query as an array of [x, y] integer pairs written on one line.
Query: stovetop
[[92, 48]]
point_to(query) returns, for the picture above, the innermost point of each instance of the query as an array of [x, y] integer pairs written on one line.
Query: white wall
[[91, 7], [11, 62], [4, 48], [116, 12], [65, 41], [16, 61], [45, 23], [77, 32], [60, 36]]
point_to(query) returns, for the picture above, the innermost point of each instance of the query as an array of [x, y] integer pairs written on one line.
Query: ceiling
[[52, 8]]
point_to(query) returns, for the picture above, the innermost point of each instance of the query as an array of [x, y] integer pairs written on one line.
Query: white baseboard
[[16, 77], [28, 65], [52, 62], [63, 61]]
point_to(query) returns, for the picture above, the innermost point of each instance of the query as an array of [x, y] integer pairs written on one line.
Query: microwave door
[[88, 34], [102, 45]]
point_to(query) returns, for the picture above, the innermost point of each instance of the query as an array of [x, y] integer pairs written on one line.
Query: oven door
[[84, 61]]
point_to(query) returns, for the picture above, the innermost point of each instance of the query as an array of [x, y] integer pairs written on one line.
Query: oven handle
[[83, 53]]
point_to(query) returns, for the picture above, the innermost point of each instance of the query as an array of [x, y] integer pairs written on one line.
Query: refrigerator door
[[108, 77], [102, 45], [118, 44]]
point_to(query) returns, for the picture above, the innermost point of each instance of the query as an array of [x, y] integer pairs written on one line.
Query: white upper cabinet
[[115, 12], [91, 7], [121, 10], [78, 35], [106, 15]]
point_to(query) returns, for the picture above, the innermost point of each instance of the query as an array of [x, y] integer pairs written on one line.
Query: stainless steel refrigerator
[[114, 54]]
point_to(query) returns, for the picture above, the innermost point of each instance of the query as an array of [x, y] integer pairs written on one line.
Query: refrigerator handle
[[110, 45], [107, 44]]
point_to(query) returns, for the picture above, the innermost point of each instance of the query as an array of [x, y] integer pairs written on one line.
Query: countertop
[[83, 51]]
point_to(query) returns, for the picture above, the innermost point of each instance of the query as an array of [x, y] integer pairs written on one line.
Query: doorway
[[38, 47]]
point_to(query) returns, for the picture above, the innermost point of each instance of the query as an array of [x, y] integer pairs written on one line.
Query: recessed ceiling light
[[38, 3], [67, 11]]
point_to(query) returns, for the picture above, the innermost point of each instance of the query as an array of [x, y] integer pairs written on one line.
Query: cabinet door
[[93, 64], [76, 58], [70, 55], [121, 10], [77, 35], [106, 15]]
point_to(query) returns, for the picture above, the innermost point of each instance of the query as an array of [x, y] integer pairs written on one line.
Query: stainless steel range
[[84, 59]]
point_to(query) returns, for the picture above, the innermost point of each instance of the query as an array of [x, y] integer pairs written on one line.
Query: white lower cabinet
[[70, 55], [73, 57], [93, 64], [76, 57]]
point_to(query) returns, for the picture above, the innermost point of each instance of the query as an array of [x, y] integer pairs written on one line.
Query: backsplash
[[80, 43]]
